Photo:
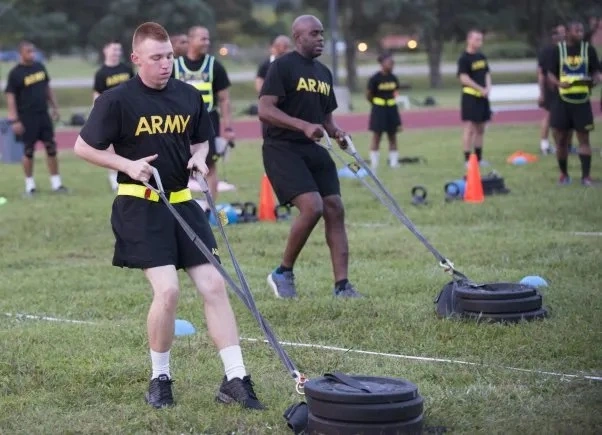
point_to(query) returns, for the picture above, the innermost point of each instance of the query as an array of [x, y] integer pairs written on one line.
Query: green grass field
[[78, 378]]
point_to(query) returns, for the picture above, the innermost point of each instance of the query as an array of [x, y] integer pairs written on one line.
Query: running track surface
[[249, 129]]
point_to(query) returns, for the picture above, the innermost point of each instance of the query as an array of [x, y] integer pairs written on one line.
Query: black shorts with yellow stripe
[[567, 116], [147, 234]]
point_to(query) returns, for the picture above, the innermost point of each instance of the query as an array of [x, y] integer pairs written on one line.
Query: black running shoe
[[239, 390], [159, 392]]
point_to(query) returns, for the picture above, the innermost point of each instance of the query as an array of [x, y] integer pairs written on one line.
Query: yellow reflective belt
[[143, 192], [382, 102], [471, 91]]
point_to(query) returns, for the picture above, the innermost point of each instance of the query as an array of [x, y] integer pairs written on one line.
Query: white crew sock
[[113, 179], [544, 145], [55, 181], [160, 363], [30, 184], [234, 366], [374, 157], [393, 159]]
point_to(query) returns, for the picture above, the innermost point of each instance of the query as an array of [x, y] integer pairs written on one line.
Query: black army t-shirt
[[140, 121], [475, 65], [573, 57], [108, 77], [262, 71], [304, 90], [383, 85], [29, 84], [543, 56]]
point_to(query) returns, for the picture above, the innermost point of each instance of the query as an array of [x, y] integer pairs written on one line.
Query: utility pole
[[332, 19]]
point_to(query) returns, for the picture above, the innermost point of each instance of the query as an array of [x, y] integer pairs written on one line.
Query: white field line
[[344, 350]]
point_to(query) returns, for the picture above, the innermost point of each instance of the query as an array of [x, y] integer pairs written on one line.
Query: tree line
[[67, 26]]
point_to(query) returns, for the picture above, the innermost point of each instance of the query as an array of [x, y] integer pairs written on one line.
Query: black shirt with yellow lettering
[[29, 84], [383, 85], [108, 77], [304, 90], [574, 61], [475, 65], [140, 121]]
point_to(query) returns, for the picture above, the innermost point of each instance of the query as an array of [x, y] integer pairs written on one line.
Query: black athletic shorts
[[384, 119], [38, 127], [295, 168], [148, 235], [475, 109], [212, 156], [570, 116]]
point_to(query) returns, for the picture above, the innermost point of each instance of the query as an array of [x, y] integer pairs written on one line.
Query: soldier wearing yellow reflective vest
[[204, 72], [381, 91], [474, 75], [574, 68]]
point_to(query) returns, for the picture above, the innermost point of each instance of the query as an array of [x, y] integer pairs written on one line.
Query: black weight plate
[[384, 390], [494, 291], [508, 317], [371, 413], [320, 426], [502, 306]]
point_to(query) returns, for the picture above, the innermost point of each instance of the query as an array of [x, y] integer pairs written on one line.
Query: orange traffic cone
[[474, 185], [267, 206]]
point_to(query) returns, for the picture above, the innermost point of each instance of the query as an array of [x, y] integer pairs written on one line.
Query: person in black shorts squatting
[[154, 119], [296, 102], [112, 73], [208, 75], [547, 93], [28, 93], [382, 89], [473, 71], [569, 64]]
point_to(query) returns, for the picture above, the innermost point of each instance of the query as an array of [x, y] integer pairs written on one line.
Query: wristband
[[228, 129]]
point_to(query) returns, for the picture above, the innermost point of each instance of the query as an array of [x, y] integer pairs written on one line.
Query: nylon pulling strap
[[385, 197]]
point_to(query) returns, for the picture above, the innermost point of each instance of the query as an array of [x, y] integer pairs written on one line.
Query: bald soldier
[[296, 104], [280, 45]]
